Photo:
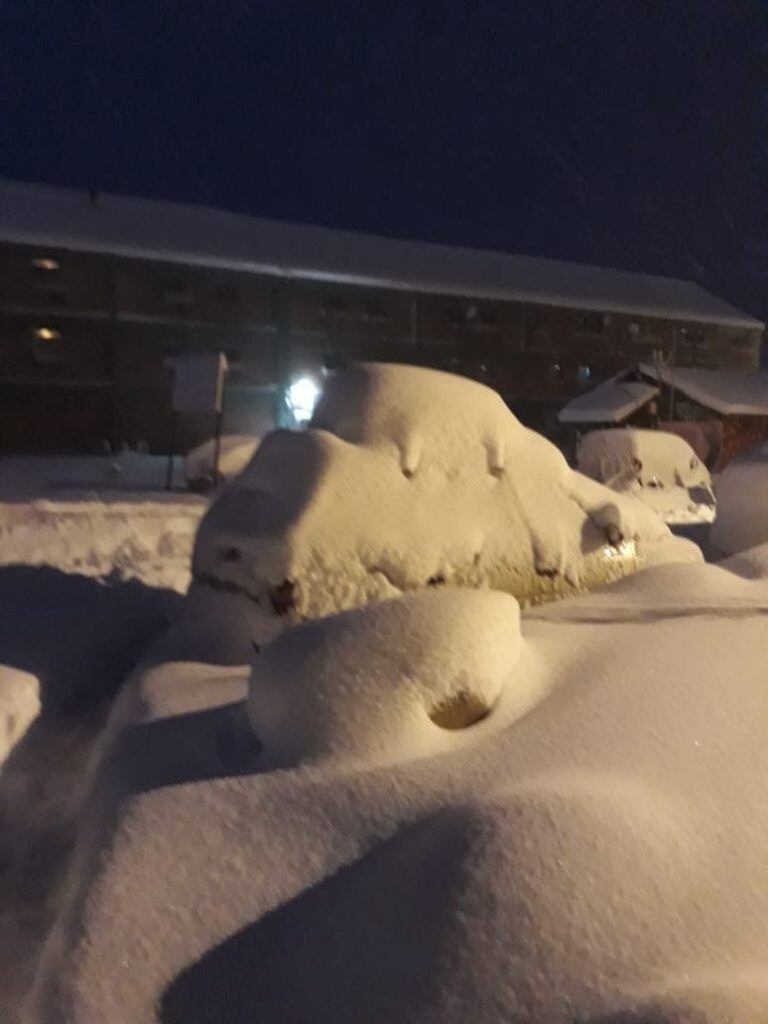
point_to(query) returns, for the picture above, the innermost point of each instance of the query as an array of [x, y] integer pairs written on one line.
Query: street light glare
[[302, 397]]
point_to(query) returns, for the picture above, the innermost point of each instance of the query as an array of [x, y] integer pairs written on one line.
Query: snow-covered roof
[[731, 392], [610, 402], [44, 215]]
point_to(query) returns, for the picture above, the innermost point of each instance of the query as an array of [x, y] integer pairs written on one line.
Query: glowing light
[[45, 263], [47, 334], [302, 397]]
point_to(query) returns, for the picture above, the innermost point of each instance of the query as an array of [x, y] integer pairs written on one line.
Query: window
[[46, 345], [587, 322], [47, 283], [45, 264], [583, 374], [175, 290], [487, 319], [742, 343], [375, 312], [226, 294], [556, 372], [479, 317], [334, 306]]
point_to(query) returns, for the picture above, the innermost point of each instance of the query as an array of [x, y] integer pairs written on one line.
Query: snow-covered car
[[409, 478], [660, 469], [742, 503], [236, 451]]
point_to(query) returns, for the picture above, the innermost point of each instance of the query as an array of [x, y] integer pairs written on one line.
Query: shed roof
[[611, 402], [730, 392], [70, 219]]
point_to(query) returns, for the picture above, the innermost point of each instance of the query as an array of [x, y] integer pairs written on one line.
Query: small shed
[[617, 402], [729, 408]]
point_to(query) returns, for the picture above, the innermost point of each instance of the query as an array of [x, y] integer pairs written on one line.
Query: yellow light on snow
[[45, 263]]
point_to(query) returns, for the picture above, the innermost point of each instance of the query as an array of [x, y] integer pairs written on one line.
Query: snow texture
[[97, 516], [598, 858], [742, 503], [147, 539], [730, 392], [308, 699], [43, 215], [659, 469], [610, 402], [19, 706], [410, 477]]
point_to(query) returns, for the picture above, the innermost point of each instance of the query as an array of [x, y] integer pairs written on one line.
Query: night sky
[[614, 132]]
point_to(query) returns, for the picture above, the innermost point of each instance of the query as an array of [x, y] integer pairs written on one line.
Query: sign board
[[198, 382]]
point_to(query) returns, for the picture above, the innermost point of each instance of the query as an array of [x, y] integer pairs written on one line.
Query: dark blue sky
[[613, 131]]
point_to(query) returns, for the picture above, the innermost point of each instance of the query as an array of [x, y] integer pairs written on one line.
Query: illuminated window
[[47, 334], [46, 345], [45, 264]]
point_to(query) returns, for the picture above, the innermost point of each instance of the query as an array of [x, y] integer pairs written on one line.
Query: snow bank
[[599, 858], [19, 706], [149, 539], [236, 452], [409, 477], [658, 468], [432, 664], [742, 503]]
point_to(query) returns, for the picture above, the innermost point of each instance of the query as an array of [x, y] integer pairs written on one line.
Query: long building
[[97, 292]]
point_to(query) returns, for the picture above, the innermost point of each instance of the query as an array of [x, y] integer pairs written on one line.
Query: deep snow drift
[[410, 477], [431, 798], [591, 850]]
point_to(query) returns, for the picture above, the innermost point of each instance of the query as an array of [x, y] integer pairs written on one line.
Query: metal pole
[[169, 471], [217, 441]]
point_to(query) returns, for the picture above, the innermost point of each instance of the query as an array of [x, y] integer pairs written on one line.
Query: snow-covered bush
[[660, 469], [742, 503], [410, 477]]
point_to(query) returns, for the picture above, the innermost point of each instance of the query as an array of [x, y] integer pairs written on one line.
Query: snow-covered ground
[[430, 798], [98, 517], [93, 555]]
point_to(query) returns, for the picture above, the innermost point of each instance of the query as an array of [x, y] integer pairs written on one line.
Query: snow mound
[[592, 851], [396, 679], [235, 454], [149, 539], [660, 469], [410, 477], [19, 706], [742, 503]]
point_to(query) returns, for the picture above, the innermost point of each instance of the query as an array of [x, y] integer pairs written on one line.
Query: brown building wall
[[115, 322]]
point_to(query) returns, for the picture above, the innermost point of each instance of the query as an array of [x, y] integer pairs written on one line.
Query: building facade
[[98, 292]]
